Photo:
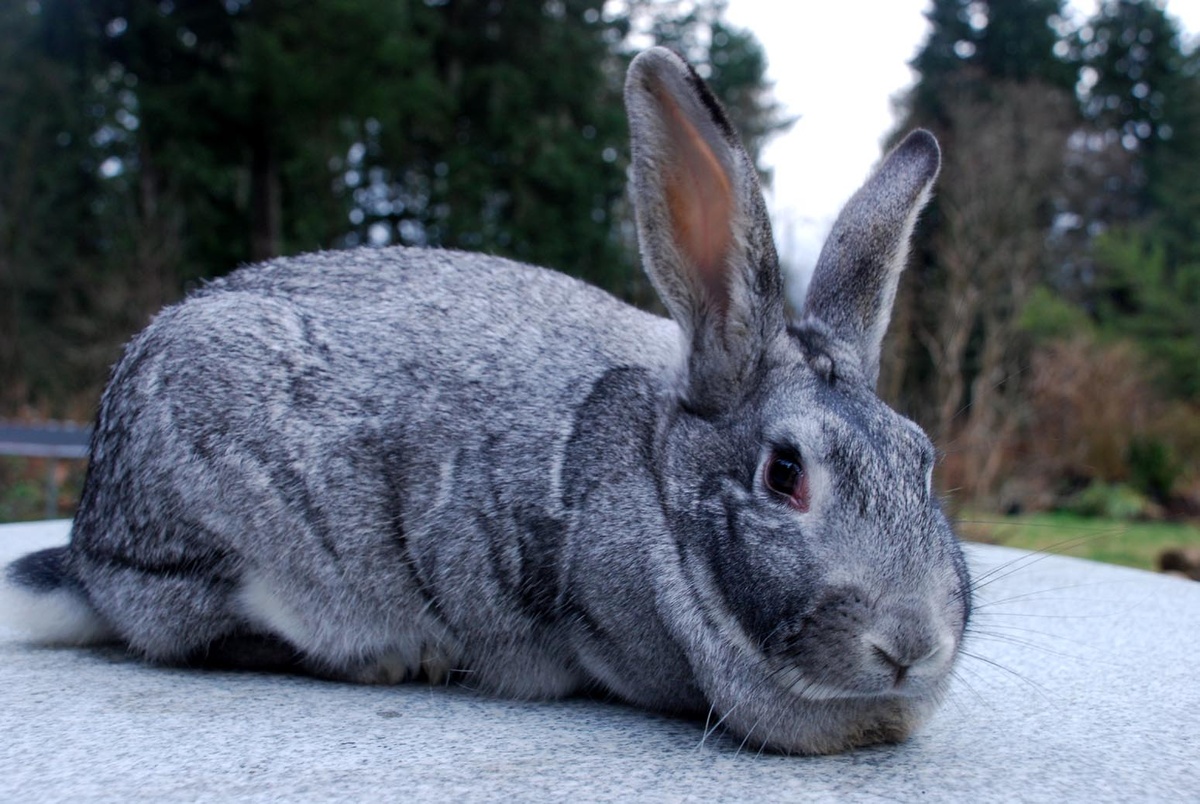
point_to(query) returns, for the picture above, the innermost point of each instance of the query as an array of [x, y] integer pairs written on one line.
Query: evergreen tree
[[1140, 276], [146, 146], [1139, 92], [978, 43], [517, 144], [50, 192]]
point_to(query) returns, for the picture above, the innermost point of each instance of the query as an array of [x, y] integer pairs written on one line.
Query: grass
[[1132, 544]]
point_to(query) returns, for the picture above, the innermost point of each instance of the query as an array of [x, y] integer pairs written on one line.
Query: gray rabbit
[[381, 465]]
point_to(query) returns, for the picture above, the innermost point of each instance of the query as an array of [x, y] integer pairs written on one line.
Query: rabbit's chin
[[829, 725]]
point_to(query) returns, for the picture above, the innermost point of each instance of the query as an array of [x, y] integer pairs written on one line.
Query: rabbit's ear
[[854, 284], [702, 225]]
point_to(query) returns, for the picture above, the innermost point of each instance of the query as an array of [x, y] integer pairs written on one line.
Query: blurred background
[[1047, 331]]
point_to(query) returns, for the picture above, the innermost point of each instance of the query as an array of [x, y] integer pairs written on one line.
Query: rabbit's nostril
[[899, 658], [898, 665]]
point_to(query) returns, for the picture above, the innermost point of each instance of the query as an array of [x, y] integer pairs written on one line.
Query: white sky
[[837, 65]]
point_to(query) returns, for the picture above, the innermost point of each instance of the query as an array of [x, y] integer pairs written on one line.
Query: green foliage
[[1048, 316], [1138, 293], [1141, 93], [1153, 468], [504, 155], [23, 487], [1109, 501], [47, 183], [22, 502], [1138, 83]]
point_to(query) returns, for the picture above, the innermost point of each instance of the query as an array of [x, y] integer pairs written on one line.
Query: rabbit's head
[[819, 589]]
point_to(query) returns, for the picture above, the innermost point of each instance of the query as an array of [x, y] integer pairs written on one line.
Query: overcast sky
[[865, 45]]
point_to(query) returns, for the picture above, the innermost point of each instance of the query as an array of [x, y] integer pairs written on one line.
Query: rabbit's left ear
[[854, 284], [703, 228]]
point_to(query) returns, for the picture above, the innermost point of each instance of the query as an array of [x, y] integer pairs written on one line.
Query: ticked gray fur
[[382, 465]]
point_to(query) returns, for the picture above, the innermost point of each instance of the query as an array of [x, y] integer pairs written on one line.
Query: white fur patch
[[445, 488], [261, 606], [61, 617]]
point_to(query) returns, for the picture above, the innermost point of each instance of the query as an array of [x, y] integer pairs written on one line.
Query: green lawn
[[1134, 544]]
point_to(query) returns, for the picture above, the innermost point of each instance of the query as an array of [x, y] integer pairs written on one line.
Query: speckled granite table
[[1083, 684]]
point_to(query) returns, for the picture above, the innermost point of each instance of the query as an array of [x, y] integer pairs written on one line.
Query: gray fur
[[382, 465]]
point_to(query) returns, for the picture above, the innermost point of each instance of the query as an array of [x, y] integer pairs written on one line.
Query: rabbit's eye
[[784, 475]]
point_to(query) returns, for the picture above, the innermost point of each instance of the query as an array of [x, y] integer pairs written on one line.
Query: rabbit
[[382, 465]]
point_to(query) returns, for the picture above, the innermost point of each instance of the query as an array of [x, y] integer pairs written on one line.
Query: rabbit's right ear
[[854, 284], [702, 226]]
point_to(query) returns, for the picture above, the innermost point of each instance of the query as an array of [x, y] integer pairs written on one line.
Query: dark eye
[[784, 475]]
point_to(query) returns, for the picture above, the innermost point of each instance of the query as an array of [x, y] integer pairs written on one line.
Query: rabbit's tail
[[43, 601]]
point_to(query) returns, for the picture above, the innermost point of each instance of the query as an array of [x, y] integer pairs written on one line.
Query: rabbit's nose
[[906, 640], [899, 661]]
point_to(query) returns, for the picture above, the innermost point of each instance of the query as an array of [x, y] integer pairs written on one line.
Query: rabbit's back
[[398, 313], [316, 438]]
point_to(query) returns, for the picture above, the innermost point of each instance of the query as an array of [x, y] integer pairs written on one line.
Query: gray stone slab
[[1082, 683]]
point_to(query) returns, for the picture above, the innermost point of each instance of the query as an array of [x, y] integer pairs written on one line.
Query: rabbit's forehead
[[848, 424], [812, 345]]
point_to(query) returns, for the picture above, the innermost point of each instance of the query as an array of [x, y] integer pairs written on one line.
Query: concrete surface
[[1082, 684]]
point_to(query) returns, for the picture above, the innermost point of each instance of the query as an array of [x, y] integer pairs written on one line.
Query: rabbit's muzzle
[[851, 644]]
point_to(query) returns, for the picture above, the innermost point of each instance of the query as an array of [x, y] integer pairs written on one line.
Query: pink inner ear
[[699, 197]]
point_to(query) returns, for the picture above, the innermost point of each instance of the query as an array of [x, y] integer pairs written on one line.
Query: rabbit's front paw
[[395, 667]]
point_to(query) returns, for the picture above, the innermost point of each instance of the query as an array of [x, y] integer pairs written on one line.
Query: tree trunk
[[266, 200]]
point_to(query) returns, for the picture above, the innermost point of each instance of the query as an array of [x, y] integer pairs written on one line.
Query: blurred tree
[[995, 88], [1001, 175], [515, 144], [1138, 273], [148, 145], [976, 42], [1138, 91], [48, 186], [1139, 292], [236, 109], [1057, 217], [1138, 95]]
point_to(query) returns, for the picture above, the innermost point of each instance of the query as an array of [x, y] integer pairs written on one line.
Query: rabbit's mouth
[[872, 680]]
